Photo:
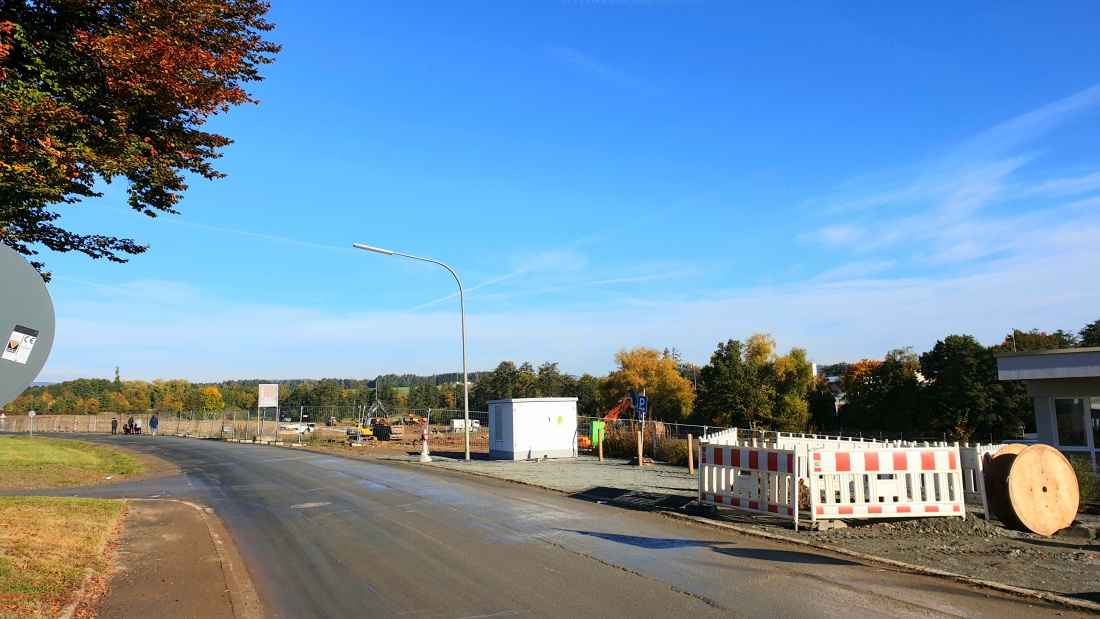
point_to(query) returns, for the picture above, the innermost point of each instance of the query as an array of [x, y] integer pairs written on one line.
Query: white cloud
[[839, 319], [1070, 186]]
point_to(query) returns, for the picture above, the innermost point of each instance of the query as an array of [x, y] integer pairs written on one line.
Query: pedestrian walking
[[114, 426], [153, 423], [137, 428]]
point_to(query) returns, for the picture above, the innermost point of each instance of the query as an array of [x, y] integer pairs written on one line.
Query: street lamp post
[[462, 306]]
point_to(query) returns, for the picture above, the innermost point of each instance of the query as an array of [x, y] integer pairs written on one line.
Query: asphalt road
[[330, 537]]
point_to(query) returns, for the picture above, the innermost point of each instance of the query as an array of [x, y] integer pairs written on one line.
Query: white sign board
[[269, 396], [20, 344]]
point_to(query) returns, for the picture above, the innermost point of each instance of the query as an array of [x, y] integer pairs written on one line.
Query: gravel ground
[[1067, 563]]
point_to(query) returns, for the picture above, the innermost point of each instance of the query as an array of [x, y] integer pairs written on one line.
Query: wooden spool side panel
[[996, 485], [1042, 489]]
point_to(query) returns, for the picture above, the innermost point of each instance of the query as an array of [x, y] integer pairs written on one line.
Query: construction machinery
[[376, 426], [627, 402]]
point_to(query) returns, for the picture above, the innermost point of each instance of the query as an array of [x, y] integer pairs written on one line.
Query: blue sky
[[613, 174]]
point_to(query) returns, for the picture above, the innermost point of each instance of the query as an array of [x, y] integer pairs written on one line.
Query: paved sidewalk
[[173, 561]]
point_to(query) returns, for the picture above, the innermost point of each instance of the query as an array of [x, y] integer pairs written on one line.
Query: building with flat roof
[[1065, 386]]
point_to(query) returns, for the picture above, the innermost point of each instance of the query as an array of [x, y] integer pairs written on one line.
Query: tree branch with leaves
[[115, 90]]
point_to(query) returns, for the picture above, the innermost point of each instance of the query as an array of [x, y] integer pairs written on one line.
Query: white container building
[[532, 428]]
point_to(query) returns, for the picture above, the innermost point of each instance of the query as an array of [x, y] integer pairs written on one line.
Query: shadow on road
[[783, 556], [726, 548], [650, 543], [633, 499]]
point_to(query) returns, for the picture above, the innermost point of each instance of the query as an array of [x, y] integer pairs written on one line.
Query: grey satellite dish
[[26, 324]]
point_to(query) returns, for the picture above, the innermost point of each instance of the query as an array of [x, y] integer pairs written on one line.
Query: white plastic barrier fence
[[974, 460], [886, 483], [725, 437], [759, 480]]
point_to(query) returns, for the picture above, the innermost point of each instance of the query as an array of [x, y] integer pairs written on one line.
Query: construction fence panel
[[757, 480], [890, 482], [974, 460]]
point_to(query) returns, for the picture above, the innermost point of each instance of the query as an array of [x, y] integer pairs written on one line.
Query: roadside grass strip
[[48, 547], [54, 463]]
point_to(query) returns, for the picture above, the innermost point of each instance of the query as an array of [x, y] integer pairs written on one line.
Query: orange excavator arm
[[618, 409]]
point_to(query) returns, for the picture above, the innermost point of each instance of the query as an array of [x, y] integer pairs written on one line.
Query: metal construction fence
[[259, 424], [662, 441]]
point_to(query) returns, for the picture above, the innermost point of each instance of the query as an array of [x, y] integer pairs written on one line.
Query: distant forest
[[93, 395]]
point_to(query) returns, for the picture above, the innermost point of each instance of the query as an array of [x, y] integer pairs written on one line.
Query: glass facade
[[1070, 415]]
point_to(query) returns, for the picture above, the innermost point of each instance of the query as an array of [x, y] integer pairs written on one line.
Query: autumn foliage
[[99, 90]]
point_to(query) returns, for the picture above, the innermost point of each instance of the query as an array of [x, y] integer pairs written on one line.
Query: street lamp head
[[376, 249]]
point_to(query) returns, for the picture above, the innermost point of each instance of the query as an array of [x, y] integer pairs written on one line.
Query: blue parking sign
[[643, 405]]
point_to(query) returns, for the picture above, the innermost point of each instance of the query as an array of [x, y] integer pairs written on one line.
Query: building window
[[1070, 413], [1096, 423]]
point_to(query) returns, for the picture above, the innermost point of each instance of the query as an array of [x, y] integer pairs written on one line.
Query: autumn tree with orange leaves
[[105, 90], [884, 395]]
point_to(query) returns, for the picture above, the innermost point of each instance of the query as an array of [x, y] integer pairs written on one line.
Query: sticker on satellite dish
[[20, 344]]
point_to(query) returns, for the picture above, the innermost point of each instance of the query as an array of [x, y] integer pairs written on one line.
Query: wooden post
[[691, 456], [641, 463], [600, 437]]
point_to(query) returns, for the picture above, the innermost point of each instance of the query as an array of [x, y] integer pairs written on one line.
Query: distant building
[[1065, 386]]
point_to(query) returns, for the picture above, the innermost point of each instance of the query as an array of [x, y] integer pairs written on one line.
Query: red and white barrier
[[759, 480], [974, 460], [886, 483]]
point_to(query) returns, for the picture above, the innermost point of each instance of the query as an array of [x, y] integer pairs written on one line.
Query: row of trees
[[951, 389], [89, 396]]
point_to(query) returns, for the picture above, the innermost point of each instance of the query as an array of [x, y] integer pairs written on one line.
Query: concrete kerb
[[900, 565], [242, 597]]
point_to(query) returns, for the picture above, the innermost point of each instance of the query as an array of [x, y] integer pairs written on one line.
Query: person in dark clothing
[[130, 426], [153, 423], [114, 426]]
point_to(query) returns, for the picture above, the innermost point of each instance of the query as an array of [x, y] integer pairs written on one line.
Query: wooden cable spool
[[1042, 490], [996, 485]]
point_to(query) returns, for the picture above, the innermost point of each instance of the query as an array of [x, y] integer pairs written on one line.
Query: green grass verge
[[48, 546], [47, 463]]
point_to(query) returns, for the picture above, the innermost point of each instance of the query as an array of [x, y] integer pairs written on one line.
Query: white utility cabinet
[[532, 428]]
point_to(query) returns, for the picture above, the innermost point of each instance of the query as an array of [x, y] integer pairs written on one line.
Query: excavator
[[628, 401], [375, 425]]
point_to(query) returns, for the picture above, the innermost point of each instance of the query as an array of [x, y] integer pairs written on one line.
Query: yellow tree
[[247, 399], [168, 395], [137, 394], [655, 373], [211, 399], [749, 384], [793, 380], [118, 402]]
